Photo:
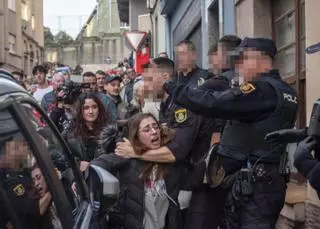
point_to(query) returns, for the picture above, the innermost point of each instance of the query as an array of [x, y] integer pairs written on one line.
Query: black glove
[[286, 136], [303, 159]]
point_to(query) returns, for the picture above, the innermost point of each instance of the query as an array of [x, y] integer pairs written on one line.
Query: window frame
[[12, 5], [25, 11], [297, 79], [12, 45]]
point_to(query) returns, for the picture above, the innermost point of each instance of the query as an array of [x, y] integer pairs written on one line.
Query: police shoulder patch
[[180, 115], [19, 190], [247, 88]]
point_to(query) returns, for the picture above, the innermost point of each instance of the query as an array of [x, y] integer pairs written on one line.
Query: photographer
[[62, 113], [48, 99]]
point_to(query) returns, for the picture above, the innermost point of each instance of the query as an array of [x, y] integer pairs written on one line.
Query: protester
[[40, 73], [115, 105], [100, 75], [91, 117], [149, 194]]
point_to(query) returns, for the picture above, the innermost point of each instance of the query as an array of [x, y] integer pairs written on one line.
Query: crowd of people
[[187, 144]]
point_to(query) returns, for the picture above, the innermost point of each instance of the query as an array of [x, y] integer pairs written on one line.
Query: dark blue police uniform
[[23, 197], [256, 189], [192, 141], [193, 132]]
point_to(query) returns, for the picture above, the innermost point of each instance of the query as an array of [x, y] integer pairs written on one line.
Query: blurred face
[[148, 81], [131, 73], [92, 80], [113, 87], [16, 152], [16, 77], [39, 182], [149, 133], [90, 110], [185, 58], [100, 79], [40, 77], [67, 77], [219, 60], [57, 81], [30, 79], [251, 63], [160, 77]]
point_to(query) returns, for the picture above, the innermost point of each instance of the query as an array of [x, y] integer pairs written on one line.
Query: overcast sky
[[72, 13]]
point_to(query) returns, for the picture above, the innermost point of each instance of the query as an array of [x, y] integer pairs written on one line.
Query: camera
[[111, 135], [71, 91]]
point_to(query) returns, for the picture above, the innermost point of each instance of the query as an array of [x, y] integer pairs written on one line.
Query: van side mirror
[[103, 188]]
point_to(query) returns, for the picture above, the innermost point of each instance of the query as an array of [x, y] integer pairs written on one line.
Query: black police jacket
[[193, 131], [22, 196], [256, 108], [129, 210]]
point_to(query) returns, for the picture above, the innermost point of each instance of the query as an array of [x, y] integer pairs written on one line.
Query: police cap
[[163, 62], [265, 45]]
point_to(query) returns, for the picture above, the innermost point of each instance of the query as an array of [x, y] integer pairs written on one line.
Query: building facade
[[21, 34], [100, 41], [201, 21]]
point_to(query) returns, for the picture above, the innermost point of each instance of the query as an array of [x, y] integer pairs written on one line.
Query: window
[[12, 5], [31, 53], [24, 11], [12, 43], [33, 23], [289, 34]]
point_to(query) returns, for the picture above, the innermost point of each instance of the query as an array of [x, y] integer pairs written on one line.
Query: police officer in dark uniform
[[307, 164], [15, 176], [244, 163], [308, 138]]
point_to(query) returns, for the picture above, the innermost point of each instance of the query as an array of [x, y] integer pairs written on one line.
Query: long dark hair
[[102, 120], [166, 135]]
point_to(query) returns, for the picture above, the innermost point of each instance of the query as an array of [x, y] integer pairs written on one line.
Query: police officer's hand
[[286, 136], [303, 153], [125, 149]]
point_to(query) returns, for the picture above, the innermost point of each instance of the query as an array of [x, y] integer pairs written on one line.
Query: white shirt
[[39, 93], [152, 107]]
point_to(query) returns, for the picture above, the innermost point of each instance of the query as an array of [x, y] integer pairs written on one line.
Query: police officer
[[304, 161], [245, 164], [15, 175], [307, 164]]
